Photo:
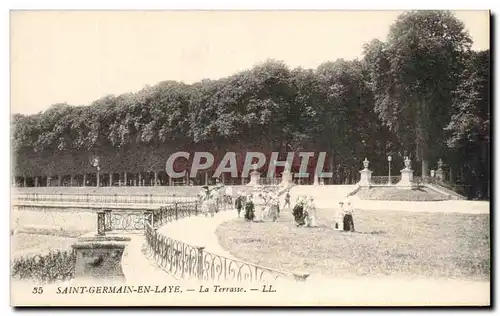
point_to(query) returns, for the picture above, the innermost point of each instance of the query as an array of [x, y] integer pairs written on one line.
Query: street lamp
[[389, 159]]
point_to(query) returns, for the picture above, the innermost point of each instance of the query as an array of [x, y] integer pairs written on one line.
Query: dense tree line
[[423, 93]]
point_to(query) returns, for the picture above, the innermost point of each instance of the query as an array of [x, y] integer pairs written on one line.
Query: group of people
[[344, 220], [304, 214], [211, 199], [258, 206], [303, 211]]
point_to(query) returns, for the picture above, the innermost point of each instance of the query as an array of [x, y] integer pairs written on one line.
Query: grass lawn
[[392, 243], [395, 194], [27, 244], [40, 231]]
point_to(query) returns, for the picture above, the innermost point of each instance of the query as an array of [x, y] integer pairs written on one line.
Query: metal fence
[[193, 262], [384, 180], [119, 220], [102, 198]]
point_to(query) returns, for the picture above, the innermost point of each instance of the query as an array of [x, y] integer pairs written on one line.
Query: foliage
[[414, 74], [52, 267], [420, 93]]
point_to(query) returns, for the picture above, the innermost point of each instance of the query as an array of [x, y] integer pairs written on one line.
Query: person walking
[[348, 218], [239, 204], [287, 199], [249, 209]]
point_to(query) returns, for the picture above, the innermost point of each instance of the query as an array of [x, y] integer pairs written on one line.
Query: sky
[[80, 56]]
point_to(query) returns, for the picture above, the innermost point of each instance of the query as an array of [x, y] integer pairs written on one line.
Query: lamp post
[[389, 159]]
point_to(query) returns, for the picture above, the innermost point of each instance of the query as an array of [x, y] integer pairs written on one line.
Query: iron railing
[[384, 180], [102, 198], [192, 262], [114, 220]]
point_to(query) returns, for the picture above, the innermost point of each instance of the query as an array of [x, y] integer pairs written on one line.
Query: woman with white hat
[[348, 218]]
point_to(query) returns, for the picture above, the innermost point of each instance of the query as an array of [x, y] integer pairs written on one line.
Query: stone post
[[366, 175], [156, 179], [36, 181], [406, 175], [110, 179], [71, 178], [107, 220], [99, 258], [125, 178], [439, 171], [84, 179], [101, 223], [140, 179], [25, 181], [206, 178], [254, 178], [316, 179], [98, 178]]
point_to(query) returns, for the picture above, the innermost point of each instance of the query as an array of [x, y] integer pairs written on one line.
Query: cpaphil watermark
[[253, 160]]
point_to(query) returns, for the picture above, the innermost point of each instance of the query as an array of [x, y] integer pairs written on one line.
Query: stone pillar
[[366, 175], [156, 179], [406, 178], [84, 179], [439, 171], [99, 258], [254, 178], [98, 178], [169, 180], [140, 178], [406, 175], [125, 179], [110, 179], [206, 178], [71, 180], [223, 178], [25, 181], [36, 181]]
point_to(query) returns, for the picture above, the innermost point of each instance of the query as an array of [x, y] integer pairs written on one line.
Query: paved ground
[[318, 290]]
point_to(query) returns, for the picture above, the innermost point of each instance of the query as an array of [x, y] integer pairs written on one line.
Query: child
[[287, 199], [339, 217]]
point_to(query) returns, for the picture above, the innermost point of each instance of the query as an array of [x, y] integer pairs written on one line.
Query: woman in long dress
[[348, 218], [249, 209]]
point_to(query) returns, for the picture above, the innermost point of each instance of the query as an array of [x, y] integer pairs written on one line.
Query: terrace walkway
[[323, 290]]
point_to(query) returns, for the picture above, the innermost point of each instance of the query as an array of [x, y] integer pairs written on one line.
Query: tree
[[414, 75], [468, 131]]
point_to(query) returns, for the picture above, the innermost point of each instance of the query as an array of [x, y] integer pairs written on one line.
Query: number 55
[[37, 290]]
